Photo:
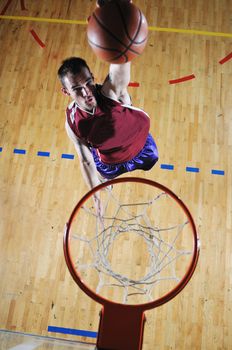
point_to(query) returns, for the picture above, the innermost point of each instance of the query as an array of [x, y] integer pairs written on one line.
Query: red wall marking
[[225, 59], [133, 84], [5, 8], [69, 4], [23, 8], [181, 80], [35, 36]]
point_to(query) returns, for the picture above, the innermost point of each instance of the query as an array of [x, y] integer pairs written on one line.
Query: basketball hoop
[[122, 220]]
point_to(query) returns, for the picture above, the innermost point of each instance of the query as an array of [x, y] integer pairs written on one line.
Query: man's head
[[78, 82]]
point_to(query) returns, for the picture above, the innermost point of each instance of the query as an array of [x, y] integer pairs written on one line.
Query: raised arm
[[115, 84]]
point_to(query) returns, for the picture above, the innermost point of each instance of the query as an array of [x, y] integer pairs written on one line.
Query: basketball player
[[111, 136]]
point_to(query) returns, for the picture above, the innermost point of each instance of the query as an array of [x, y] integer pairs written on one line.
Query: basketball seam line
[[102, 25], [102, 47], [121, 53], [125, 26], [131, 39], [107, 30], [116, 38]]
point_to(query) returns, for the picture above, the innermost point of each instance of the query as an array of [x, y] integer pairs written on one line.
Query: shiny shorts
[[144, 160]]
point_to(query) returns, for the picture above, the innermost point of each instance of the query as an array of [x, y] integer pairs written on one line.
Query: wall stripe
[[19, 151], [167, 166], [225, 59], [182, 79], [217, 172], [67, 156], [151, 28], [6, 7], [37, 39], [43, 154], [78, 332], [192, 170], [162, 166]]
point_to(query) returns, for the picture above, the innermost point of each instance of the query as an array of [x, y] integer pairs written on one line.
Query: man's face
[[81, 88]]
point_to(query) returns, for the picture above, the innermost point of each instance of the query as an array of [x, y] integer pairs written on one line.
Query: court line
[[78, 332], [23, 7], [167, 166], [37, 39], [217, 172], [43, 154], [192, 170], [162, 166], [67, 156], [46, 20], [225, 59], [151, 28], [181, 80], [191, 31], [6, 7], [134, 84], [19, 151]]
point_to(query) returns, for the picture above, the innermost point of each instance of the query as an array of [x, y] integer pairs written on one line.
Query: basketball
[[117, 32]]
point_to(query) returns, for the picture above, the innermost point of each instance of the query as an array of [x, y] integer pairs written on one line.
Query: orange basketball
[[117, 32]]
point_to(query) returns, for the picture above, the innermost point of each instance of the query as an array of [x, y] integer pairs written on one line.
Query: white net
[[131, 243]]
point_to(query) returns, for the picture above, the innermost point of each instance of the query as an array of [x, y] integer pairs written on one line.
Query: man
[[111, 137]]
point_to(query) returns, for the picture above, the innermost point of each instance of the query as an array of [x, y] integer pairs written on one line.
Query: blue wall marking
[[192, 170], [162, 166], [43, 154], [217, 172], [19, 151], [167, 166], [78, 332], [67, 156]]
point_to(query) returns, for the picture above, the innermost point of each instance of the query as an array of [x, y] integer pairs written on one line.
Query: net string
[[163, 254]]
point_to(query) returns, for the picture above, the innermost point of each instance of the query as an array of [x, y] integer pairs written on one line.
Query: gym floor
[[183, 81]]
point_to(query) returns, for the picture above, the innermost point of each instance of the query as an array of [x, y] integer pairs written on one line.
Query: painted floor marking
[[68, 156], [217, 172], [167, 166], [43, 154], [78, 332], [192, 169], [19, 151], [151, 28]]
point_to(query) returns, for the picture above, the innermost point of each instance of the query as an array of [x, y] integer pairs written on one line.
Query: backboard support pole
[[121, 328]]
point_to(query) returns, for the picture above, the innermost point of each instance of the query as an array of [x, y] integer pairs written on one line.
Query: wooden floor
[[192, 124]]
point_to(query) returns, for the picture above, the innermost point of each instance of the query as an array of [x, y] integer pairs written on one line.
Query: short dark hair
[[71, 65]]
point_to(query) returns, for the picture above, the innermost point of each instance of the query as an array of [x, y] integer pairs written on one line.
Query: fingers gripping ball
[[117, 32]]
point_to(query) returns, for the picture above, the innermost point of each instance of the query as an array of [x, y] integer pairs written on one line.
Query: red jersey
[[116, 130]]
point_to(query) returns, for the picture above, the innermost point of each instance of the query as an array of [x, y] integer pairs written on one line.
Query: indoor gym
[[183, 81]]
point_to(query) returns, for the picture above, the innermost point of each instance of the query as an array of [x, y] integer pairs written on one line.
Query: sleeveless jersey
[[116, 130]]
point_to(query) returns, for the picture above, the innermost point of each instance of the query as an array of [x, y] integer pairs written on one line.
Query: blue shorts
[[144, 160]]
